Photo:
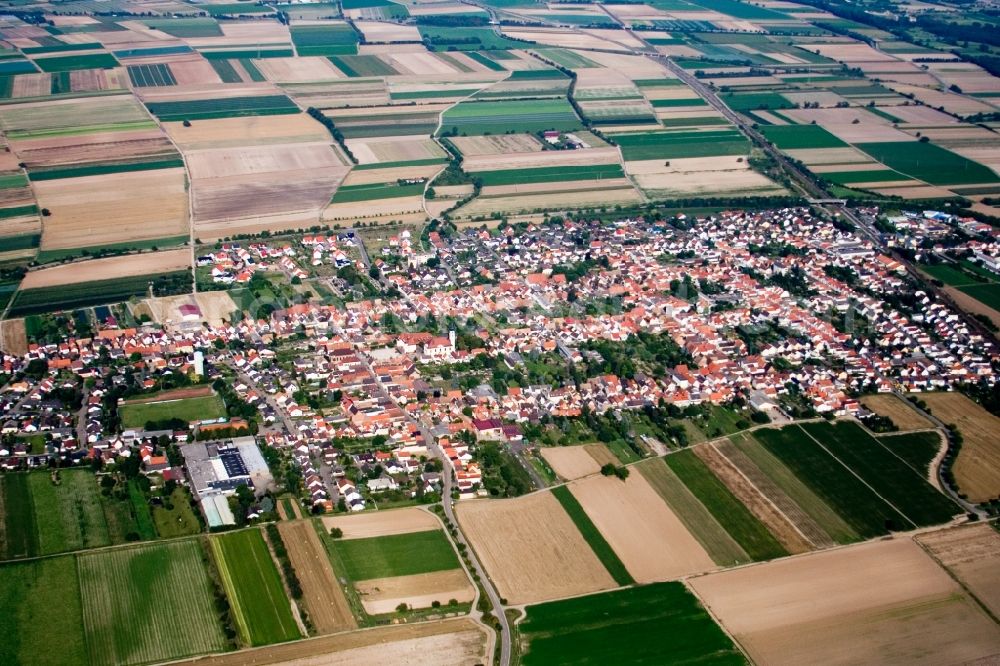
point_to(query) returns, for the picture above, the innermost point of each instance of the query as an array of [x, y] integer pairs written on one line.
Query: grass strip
[[592, 536]]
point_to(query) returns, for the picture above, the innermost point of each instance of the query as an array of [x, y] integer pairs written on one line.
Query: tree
[[336, 532]]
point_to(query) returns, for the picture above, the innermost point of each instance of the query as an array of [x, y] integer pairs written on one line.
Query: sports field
[[262, 612], [148, 603], [186, 409], [662, 623]]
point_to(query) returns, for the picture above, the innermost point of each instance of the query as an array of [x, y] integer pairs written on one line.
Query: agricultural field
[[29, 591], [896, 410], [658, 623], [882, 602], [503, 116], [531, 549], [322, 596], [643, 532], [398, 557], [332, 39], [593, 537], [977, 467], [260, 608], [159, 606], [971, 554]]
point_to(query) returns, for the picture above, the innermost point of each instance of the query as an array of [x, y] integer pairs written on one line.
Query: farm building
[[217, 468]]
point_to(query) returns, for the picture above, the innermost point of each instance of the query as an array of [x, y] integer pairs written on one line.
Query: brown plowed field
[[881, 602], [891, 406], [977, 468], [791, 511], [321, 593], [531, 548], [972, 554], [458, 642]]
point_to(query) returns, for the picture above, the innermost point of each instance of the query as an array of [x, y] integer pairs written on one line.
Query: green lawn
[[257, 598], [177, 521], [148, 603], [855, 502], [397, 555], [904, 487], [186, 409], [605, 553], [661, 623], [42, 620], [733, 516]]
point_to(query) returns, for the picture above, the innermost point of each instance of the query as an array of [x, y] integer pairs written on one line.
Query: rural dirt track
[[457, 641], [321, 593]]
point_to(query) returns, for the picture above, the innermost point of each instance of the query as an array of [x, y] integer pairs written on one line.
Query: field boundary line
[[848, 468], [715, 618], [955, 577]]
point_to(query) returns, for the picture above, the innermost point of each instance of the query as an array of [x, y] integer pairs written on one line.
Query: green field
[[180, 520], [677, 144], [187, 409], [362, 65], [550, 174], [82, 294], [397, 555], [756, 100], [987, 294], [151, 76], [257, 598], [104, 169], [605, 553], [751, 534], [502, 116], [68, 516], [465, 39], [75, 62], [716, 541], [352, 193], [791, 137], [42, 620], [929, 163], [918, 449], [148, 603], [862, 177], [186, 27], [904, 487], [230, 107], [325, 40], [19, 534], [236, 8], [867, 514], [661, 623], [821, 512]]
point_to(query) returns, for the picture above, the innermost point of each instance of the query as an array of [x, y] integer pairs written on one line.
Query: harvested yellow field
[[147, 263], [383, 523], [321, 594], [897, 410], [646, 535], [247, 131], [548, 158], [496, 144], [458, 642], [882, 602], [388, 175], [972, 554], [113, 208], [377, 31], [570, 462], [491, 191], [295, 70], [394, 149], [531, 549], [977, 468], [383, 595]]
